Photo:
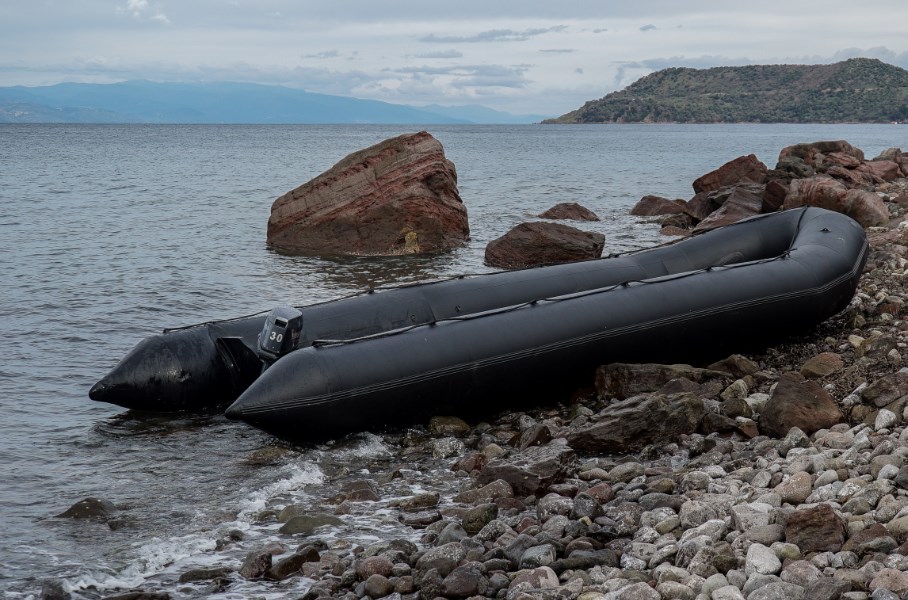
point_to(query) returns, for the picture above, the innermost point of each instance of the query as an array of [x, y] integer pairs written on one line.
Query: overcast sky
[[527, 56]]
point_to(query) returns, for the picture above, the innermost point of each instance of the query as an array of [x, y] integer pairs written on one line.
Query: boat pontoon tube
[[747, 283]]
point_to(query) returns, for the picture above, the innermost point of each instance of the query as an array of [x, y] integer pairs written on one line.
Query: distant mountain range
[[151, 102], [860, 90]]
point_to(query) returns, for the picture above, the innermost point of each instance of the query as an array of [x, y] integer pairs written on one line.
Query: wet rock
[[496, 489], [448, 426], [52, 589], [464, 582], [542, 243], [139, 595], [535, 435], [540, 578], [377, 586], [419, 502], [291, 565], [194, 575], [360, 491], [478, 517], [90, 508], [816, 529], [306, 524], [636, 421], [442, 559], [531, 471], [797, 402], [374, 565], [652, 206], [570, 211], [396, 197], [255, 565]]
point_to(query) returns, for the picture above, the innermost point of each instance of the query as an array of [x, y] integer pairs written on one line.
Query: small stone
[[255, 565], [761, 560], [378, 586], [796, 488], [822, 365], [728, 592], [447, 447], [890, 579]]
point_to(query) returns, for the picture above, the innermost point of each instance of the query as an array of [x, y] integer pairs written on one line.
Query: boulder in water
[[397, 197], [535, 244]]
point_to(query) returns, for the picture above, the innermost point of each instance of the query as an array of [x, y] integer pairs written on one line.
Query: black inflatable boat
[[210, 364], [728, 289]]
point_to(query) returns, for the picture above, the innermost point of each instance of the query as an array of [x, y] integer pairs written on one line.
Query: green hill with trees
[[859, 90]]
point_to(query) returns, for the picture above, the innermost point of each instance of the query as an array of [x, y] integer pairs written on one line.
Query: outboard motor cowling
[[281, 333]]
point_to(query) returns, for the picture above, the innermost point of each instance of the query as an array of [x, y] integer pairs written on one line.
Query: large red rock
[[887, 170], [740, 170], [864, 207], [396, 197], [817, 154], [540, 243], [798, 402]]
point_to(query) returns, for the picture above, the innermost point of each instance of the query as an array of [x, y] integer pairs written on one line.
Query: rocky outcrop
[[863, 206], [534, 244], [744, 169], [570, 211], [397, 197], [829, 174]]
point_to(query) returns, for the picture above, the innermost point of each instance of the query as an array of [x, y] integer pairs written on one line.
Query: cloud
[[649, 27], [440, 54], [492, 35], [462, 76], [325, 54], [558, 50], [143, 10]]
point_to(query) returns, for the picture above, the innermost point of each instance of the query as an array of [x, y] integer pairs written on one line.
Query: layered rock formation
[[397, 197]]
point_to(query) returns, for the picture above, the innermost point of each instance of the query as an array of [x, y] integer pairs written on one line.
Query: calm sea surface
[[111, 233]]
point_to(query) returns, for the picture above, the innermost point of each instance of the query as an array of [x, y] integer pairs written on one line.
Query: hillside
[[152, 102], [859, 90]]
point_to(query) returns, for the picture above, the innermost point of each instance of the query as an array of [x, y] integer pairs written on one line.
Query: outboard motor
[[280, 335]]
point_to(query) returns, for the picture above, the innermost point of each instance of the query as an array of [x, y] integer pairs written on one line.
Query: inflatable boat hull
[[753, 282], [209, 365]]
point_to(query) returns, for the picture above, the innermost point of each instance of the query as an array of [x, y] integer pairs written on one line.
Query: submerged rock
[[570, 211], [536, 244], [397, 197], [89, 508]]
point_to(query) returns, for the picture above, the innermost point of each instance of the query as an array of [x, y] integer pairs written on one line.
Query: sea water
[[112, 233]]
